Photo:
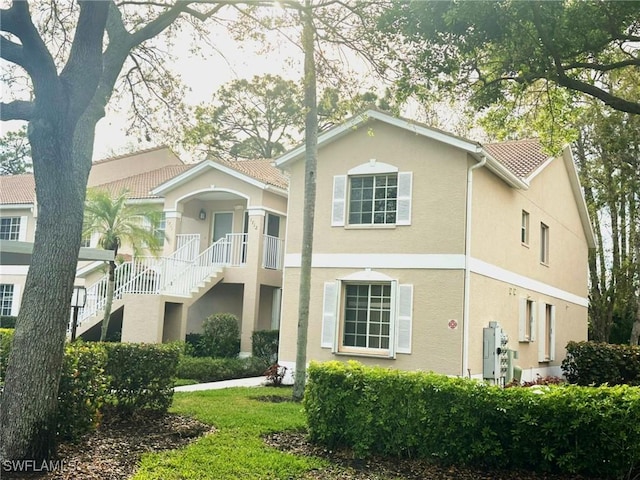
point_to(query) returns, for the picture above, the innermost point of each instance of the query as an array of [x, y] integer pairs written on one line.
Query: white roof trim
[[186, 176], [16, 206], [82, 271], [504, 173], [19, 253], [574, 181], [353, 122], [537, 171], [372, 167]]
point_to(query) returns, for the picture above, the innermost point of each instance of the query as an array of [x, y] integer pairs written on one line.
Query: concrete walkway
[[240, 382]]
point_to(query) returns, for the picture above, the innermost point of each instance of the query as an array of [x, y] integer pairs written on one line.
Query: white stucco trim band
[[497, 273], [433, 262]]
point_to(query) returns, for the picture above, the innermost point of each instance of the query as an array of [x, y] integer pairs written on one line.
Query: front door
[[222, 225]]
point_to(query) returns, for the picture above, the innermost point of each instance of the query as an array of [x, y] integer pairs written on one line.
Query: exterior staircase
[[185, 275]]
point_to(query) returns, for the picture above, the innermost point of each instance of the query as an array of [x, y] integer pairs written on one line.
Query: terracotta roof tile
[[139, 186], [17, 189], [521, 157], [262, 170]]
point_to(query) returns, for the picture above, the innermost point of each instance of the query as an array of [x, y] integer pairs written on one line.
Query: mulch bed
[[113, 453]]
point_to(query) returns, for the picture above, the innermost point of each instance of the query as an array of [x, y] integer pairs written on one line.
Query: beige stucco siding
[[496, 223], [438, 194], [493, 300], [437, 299]]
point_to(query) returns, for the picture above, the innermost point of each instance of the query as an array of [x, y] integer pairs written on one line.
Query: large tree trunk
[[311, 159], [107, 307]]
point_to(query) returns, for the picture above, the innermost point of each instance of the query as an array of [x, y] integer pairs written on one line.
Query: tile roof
[[17, 189], [137, 152], [521, 157], [139, 186], [262, 170]]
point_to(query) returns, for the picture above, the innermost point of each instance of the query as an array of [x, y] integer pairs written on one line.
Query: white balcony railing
[[272, 252]]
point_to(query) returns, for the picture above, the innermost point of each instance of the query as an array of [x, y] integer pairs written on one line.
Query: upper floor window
[[10, 228], [162, 227], [544, 244], [373, 193], [524, 228], [6, 299], [86, 241]]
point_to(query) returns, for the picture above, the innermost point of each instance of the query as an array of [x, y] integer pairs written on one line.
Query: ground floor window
[[6, 299], [546, 347], [367, 316]]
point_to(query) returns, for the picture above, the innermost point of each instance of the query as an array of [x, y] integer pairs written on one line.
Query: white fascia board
[[502, 172], [539, 170], [145, 201], [186, 176], [16, 206], [353, 122], [576, 188], [81, 272]]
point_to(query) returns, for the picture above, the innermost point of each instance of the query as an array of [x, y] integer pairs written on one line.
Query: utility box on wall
[[494, 363]]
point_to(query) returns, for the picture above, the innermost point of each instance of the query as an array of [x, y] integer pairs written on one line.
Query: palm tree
[[118, 222]]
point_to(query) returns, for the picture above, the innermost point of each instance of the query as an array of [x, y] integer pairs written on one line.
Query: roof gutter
[[467, 265]]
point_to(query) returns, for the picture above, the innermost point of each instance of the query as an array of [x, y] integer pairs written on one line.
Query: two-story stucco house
[[421, 238], [224, 225]]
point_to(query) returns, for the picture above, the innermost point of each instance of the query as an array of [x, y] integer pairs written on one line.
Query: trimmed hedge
[[7, 321], [221, 336], [461, 421], [593, 363], [205, 369], [264, 344], [83, 386], [141, 376]]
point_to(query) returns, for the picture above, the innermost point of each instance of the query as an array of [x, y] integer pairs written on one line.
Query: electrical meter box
[[495, 360]]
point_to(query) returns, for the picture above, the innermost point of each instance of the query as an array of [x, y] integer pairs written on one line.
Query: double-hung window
[[367, 316], [524, 228], [373, 193], [7, 300], [544, 244], [10, 228], [547, 333], [527, 322]]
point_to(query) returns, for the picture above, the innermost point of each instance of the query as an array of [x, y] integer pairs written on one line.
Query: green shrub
[[194, 345], [461, 421], [7, 321], [6, 337], [221, 335], [592, 363], [264, 344], [141, 376], [83, 385], [215, 369]]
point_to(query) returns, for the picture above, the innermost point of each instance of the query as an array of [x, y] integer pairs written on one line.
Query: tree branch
[[16, 110], [12, 52]]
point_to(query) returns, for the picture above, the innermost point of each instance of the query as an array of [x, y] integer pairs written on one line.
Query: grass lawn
[[236, 450]]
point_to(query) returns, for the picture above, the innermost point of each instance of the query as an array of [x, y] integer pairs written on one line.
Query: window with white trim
[[367, 317], [10, 228], [547, 333], [374, 193], [6, 299], [544, 244], [86, 241], [527, 321], [524, 228], [162, 227]]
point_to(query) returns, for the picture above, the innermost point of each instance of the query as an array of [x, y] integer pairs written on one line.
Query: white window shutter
[[522, 321], [404, 198], [22, 235], [552, 334], [542, 332], [15, 302], [404, 319], [329, 315], [339, 200], [534, 320]]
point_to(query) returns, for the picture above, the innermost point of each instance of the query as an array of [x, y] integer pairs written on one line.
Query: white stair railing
[[187, 246]]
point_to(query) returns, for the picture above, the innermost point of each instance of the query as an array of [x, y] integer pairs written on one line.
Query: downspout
[[467, 267]]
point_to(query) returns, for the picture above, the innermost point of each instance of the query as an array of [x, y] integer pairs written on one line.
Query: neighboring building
[[422, 238], [224, 224]]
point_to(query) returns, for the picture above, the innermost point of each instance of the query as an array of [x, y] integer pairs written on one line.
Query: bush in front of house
[[221, 336], [6, 337], [593, 363], [141, 376], [83, 386], [7, 321], [208, 369], [462, 421], [264, 344]]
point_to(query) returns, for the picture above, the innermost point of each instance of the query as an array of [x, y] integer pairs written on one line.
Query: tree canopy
[[15, 153], [501, 48]]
